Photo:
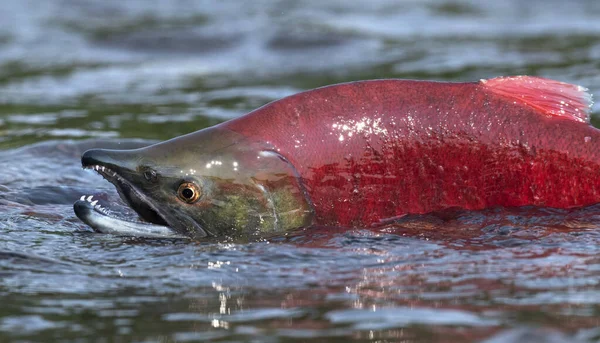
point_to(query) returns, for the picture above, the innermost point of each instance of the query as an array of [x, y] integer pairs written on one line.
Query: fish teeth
[[101, 209], [94, 204]]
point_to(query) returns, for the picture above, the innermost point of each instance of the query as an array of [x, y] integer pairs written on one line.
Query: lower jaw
[[100, 220]]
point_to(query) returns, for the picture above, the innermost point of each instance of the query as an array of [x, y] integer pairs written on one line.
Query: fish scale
[[427, 146]]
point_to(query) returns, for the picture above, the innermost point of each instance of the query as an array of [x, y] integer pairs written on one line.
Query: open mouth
[[150, 224], [135, 199]]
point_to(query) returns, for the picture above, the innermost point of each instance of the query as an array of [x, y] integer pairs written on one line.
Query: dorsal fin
[[552, 97]]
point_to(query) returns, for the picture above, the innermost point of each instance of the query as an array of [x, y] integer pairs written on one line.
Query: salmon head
[[210, 183]]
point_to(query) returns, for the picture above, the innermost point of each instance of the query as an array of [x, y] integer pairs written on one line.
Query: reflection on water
[[112, 70]]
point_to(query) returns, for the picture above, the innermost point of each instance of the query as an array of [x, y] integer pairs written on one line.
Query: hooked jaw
[[101, 220], [117, 167]]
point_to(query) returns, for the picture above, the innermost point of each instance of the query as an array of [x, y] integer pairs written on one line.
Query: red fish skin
[[417, 147]]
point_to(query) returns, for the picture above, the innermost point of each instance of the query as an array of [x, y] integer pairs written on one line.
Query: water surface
[[81, 74]]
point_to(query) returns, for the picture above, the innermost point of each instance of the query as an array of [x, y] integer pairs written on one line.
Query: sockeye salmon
[[360, 154]]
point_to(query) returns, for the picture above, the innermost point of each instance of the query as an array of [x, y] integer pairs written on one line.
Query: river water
[[76, 74]]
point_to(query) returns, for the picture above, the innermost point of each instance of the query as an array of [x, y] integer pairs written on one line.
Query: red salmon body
[[370, 151]]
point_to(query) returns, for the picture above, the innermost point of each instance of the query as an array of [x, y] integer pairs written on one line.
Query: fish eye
[[189, 192]]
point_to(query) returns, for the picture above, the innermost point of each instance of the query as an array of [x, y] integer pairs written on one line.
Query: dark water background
[[76, 74]]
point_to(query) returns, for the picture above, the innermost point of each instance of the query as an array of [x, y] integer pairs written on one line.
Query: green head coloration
[[212, 182]]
